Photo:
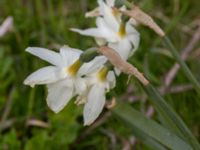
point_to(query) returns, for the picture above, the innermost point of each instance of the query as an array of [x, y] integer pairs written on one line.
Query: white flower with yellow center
[[63, 78], [110, 28], [100, 82]]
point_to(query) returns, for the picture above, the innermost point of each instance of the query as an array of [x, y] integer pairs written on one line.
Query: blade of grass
[[125, 2], [173, 23], [182, 64], [150, 127], [166, 110], [39, 10], [51, 14], [174, 52]]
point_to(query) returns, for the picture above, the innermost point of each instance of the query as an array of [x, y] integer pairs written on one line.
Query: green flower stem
[[31, 103], [182, 64], [166, 110], [125, 2], [89, 55]]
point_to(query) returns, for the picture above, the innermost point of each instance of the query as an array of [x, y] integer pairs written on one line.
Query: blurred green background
[[26, 123]]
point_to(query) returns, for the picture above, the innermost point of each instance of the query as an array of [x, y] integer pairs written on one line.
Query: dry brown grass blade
[[143, 18], [94, 13], [111, 104], [37, 123], [121, 64], [6, 26]]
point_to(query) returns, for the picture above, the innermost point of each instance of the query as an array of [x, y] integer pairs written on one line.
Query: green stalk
[[31, 103], [89, 55], [175, 122], [167, 111], [182, 64], [125, 2]]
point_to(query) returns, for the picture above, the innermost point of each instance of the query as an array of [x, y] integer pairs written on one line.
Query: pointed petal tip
[[87, 123], [54, 109], [29, 49], [77, 30], [28, 83], [80, 31], [65, 46], [74, 29]]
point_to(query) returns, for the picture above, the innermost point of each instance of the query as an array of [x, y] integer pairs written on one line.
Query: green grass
[[46, 24]]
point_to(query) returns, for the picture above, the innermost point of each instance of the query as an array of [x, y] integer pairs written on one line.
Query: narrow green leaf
[[150, 127], [182, 64], [147, 140], [166, 111]]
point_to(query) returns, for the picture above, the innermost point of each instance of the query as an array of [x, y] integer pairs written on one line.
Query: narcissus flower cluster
[[88, 80]]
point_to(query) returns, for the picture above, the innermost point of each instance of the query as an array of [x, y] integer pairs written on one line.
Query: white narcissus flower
[[100, 82], [63, 78], [110, 28]]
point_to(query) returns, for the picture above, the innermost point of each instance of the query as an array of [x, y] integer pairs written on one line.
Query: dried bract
[[121, 64], [94, 13], [143, 18]]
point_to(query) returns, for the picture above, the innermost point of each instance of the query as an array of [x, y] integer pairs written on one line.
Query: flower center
[[115, 12], [102, 74], [122, 30], [73, 69]]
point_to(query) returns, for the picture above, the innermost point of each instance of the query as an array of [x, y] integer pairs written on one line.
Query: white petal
[[94, 105], [45, 75], [107, 32], [69, 55], [123, 47], [100, 41], [102, 31], [107, 13], [80, 85], [133, 36], [94, 32], [92, 66], [117, 71], [110, 3], [59, 94], [45, 54], [111, 79]]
